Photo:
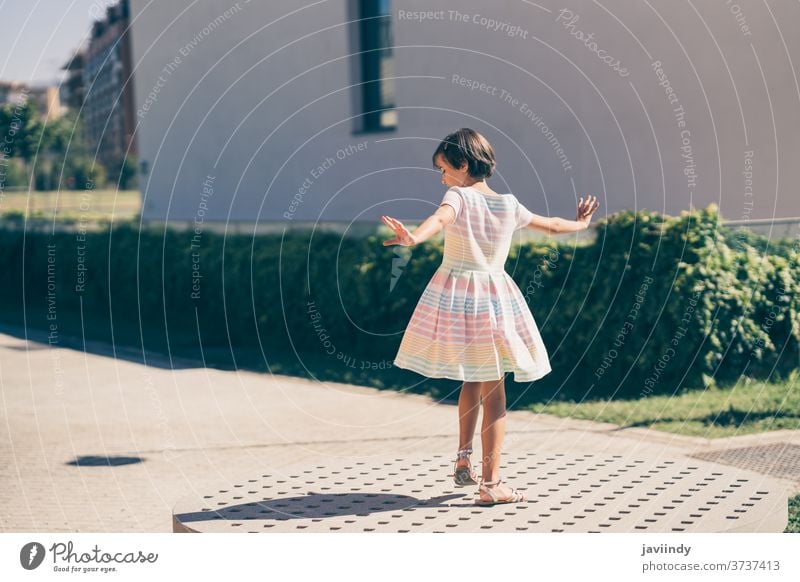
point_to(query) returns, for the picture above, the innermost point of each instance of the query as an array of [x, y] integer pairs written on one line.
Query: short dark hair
[[467, 145]]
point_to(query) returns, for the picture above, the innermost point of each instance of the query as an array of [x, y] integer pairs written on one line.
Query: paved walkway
[[177, 432]]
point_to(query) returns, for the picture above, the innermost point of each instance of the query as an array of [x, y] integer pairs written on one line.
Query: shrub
[[655, 305]]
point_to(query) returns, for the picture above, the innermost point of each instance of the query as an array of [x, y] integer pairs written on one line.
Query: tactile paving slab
[[566, 493], [777, 459]]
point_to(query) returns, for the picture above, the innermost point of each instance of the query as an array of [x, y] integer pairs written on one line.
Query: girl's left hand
[[586, 208], [404, 237]]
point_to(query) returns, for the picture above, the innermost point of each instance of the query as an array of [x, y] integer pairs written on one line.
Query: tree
[[52, 151], [125, 173]]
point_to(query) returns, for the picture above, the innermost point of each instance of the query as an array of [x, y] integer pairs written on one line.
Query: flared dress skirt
[[474, 326]]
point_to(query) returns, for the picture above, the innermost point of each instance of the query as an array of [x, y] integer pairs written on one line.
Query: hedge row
[[657, 304]]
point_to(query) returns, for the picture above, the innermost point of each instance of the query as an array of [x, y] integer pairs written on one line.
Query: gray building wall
[[239, 104]]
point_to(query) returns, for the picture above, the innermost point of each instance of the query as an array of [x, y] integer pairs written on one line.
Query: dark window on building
[[378, 111]]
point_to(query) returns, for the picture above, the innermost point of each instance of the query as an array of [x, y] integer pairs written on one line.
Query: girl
[[472, 322]]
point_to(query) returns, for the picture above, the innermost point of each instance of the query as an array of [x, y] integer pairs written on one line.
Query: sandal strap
[[465, 472], [490, 492], [463, 454], [516, 495]]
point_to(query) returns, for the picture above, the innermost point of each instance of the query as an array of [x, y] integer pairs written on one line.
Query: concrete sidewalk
[[172, 433]]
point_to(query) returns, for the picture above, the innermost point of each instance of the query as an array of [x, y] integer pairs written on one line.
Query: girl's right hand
[[404, 237]]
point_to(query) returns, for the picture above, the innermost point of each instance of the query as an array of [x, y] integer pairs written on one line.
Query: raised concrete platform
[[567, 493]]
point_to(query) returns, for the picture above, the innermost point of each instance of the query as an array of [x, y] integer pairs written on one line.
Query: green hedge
[[655, 305]]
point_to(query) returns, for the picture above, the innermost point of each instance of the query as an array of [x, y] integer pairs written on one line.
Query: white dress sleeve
[[453, 198], [524, 215]]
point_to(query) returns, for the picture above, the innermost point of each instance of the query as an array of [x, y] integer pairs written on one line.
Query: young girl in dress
[[472, 322]]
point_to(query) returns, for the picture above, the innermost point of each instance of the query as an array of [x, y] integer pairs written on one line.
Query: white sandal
[[464, 476], [516, 496]]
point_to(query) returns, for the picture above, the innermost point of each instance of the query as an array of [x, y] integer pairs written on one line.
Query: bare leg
[[493, 432], [469, 402], [493, 428]]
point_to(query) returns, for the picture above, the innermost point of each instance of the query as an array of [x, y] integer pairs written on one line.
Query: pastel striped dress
[[472, 322]]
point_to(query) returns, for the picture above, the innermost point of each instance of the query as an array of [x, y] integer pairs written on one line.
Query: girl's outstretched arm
[[556, 225], [430, 227]]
